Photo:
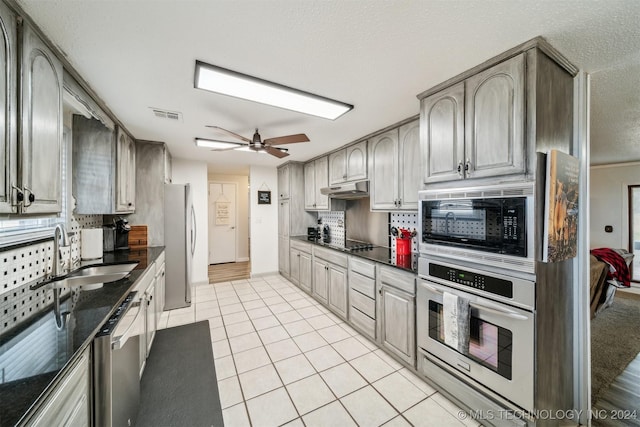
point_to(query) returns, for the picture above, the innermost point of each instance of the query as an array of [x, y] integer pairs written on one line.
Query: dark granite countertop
[[60, 348], [379, 254]]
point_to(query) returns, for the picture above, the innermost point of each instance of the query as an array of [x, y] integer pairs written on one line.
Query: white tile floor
[[283, 359]]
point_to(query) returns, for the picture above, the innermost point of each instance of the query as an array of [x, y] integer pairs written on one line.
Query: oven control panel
[[482, 282]]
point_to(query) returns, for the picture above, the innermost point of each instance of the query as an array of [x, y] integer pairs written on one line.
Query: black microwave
[[497, 225]]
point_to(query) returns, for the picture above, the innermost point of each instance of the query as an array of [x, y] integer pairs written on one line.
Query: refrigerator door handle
[[193, 231]]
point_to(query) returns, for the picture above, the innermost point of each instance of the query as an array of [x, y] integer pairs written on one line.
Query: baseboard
[[243, 259], [255, 276]]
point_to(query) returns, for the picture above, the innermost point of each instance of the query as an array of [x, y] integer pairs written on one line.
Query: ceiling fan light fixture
[[227, 82], [216, 145]]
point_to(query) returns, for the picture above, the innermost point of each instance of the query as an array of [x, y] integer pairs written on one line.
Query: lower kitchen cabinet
[[146, 294], [338, 290], [330, 280], [160, 287], [300, 265], [362, 296], [69, 403], [396, 313], [284, 263]]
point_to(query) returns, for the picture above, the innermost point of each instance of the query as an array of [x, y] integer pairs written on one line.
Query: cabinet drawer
[[363, 267], [330, 255], [362, 284], [301, 246], [363, 323], [362, 303], [398, 279]]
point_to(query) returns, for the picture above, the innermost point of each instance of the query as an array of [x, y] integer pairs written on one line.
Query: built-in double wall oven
[[475, 297]]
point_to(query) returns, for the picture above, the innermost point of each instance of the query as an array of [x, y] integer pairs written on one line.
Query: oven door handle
[[122, 339], [501, 311]]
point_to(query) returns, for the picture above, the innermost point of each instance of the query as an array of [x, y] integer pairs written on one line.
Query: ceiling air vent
[[165, 114]]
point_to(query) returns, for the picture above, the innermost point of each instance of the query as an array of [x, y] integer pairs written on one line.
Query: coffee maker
[[122, 234], [116, 235]]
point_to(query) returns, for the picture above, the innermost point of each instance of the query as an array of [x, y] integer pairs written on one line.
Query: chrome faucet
[[59, 265]]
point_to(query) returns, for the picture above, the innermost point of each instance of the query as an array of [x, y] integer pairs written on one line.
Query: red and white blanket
[[618, 273]]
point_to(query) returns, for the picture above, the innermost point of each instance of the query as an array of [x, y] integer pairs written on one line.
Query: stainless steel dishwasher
[[116, 355]]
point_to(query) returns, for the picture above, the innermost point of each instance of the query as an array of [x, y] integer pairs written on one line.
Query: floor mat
[[179, 385]]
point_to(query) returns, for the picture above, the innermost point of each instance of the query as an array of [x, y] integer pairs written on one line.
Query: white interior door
[[222, 222]]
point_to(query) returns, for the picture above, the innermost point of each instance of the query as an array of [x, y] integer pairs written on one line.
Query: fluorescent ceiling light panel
[[217, 145], [227, 82], [247, 148]]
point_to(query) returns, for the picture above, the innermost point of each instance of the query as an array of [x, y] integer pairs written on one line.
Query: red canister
[[403, 246]]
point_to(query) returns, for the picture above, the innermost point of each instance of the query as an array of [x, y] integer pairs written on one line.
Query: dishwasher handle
[[120, 341]]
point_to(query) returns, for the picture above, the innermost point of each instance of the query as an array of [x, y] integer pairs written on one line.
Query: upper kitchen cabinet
[[491, 103], [491, 120], [40, 125], [316, 176], [8, 102], [394, 162], [103, 168], [125, 173], [442, 129], [348, 164], [284, 182]]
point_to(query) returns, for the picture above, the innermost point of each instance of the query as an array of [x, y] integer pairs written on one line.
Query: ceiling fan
[[257, 144]]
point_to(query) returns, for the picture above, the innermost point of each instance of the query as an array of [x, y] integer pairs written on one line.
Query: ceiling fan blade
[[275, 152], [289, 139], [242, 138]]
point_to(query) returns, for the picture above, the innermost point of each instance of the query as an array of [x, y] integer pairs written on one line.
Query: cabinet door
[[294, 266], [283, 182], [322, 181], [383, 155], [495, 120], [69, 403], [159, 297], [397, 323], [357, 161], [41, 126], [8, 103], [442, 134], [283, 256], [410, 167], [283, 219], [338, 167], [310, 186], [338, 291], [305, 272], [131, 174], [320, 280], [150, 315], [125, 173]]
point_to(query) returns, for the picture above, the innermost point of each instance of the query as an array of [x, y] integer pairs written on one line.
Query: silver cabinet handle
[[467, 167], [460, 173]]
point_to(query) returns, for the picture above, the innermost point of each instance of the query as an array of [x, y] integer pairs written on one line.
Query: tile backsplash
[[22, 266]]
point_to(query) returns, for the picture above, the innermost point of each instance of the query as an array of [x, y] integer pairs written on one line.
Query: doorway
[[222, 222], [634, 230]]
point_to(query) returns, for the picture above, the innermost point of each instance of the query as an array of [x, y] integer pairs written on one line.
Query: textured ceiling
[[376, 55]]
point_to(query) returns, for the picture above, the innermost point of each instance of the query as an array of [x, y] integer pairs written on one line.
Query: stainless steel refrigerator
[[180, 244]]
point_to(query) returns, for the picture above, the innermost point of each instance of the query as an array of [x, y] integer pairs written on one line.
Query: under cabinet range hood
[[349, 190]]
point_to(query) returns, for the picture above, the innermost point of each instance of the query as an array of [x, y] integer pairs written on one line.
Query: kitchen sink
[[90, 276]]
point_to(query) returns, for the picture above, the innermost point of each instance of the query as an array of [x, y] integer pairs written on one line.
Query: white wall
[[195, 173], [609, 203], [242, 206], [264, 221]]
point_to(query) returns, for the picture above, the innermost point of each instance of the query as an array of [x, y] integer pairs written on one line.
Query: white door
[[222, 222]]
